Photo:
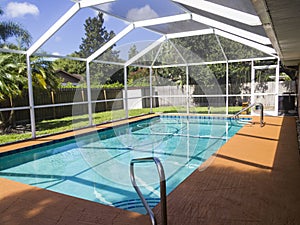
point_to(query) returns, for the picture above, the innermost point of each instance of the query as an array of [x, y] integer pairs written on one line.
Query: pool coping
[[43, 140]]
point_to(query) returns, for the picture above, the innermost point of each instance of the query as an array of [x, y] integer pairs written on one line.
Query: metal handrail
[[236, 116], [163, 195]]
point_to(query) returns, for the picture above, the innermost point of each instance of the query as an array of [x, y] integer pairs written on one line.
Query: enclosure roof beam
[[190, 33], [90, 3], [223, 11], [61, 21], [109, 63], [231, 29], [59, 57], [266, 67], [130, 27], [252, 59], [111, 42], [157, 53], [162, 20], [221, 47], [178, 52], [260, 47], [12, 51], [213, 62], [145, 51], [54, 28]]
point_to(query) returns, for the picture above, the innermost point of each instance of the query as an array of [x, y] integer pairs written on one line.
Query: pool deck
[[254, 179]]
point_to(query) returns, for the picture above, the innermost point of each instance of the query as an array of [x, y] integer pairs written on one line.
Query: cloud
[[57, 39], [56, 53], [16, 9], [107, 8], [141, 13]]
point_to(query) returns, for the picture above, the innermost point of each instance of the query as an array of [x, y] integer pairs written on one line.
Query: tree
[[132, 69], [70, 66], [13, 70], [10, 29], [96, 36], [132, 51], [137, 76], [13, 81], [9, 80]]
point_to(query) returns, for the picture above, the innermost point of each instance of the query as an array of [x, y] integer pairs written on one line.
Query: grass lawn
[[46, 127]]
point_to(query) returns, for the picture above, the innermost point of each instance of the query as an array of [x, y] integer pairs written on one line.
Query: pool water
[[95, 166]]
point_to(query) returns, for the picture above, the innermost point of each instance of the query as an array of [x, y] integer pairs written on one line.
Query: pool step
[[136, 203]]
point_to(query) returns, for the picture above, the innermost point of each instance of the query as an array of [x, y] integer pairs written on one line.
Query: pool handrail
[[163, 196], [261, 106]]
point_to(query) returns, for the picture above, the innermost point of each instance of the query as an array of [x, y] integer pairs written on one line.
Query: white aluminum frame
[[30, 96], [163, 20], [89, 3], [54, 28], [262, 48], [223, 11], [275, 94], [111, 42], [231, 29], [145, 51], [190, 33], [219, 28]]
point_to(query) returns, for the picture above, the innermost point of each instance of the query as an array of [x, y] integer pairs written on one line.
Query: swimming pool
[[95, 166]]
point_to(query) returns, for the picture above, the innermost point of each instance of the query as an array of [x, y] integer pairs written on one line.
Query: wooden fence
[[76, 95], [61, 96]]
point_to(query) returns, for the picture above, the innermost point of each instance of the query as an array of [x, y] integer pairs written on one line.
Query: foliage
[[10, 81], [132, 51], [285, 76], [96, 36], [13, 80], [67, 85], [116, 85], [138, 76], [70, 66], [10, 29], [113, 85]]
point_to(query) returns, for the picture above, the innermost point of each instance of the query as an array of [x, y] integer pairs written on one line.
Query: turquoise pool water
[[95, 166]]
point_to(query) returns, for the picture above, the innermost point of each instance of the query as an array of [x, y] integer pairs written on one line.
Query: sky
[[37, 16]]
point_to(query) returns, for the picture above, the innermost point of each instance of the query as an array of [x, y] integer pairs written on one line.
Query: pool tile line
[[205, 117]]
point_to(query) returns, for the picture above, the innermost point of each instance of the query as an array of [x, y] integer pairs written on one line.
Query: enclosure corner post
[[277, 87], [187, 90], [151, 90], [89, 93], [227, 86], [125, 93], [31, 99], [252, 82]]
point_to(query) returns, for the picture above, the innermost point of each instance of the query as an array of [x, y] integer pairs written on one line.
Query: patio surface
[[253, 179]]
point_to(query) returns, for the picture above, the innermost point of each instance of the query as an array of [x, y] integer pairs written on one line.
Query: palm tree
[[11, 29], [13, 82], [13, 70], [10, 83], [9, 79]]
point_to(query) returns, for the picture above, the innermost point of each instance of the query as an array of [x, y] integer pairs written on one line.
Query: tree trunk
[[8, 119]]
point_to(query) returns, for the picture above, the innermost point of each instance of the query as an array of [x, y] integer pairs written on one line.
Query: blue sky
[[38, 15]]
